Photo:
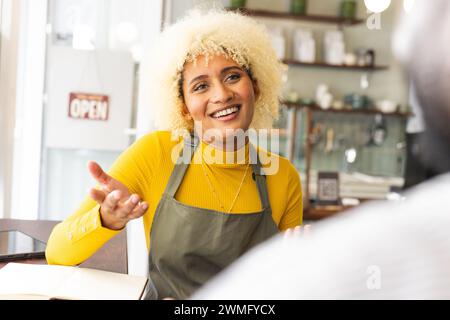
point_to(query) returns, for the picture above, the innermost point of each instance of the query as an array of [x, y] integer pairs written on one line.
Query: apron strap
[[259, 177], [181, 166], [185, 158]]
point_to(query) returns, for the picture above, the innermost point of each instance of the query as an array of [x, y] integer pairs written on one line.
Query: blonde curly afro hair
[[233, 35]]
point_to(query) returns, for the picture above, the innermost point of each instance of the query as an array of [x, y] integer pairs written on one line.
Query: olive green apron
[[189, 245]]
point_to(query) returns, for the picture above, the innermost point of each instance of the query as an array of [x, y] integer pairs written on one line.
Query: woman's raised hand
[[117, 205]]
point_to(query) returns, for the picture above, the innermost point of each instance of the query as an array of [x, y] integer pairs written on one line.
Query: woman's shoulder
[[153, 146], [275, 164], [159, 138]]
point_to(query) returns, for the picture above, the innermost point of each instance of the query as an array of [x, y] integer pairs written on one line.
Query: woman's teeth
[[225, 112]]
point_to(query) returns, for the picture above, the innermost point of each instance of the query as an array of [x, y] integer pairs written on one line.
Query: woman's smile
[[227, 114]]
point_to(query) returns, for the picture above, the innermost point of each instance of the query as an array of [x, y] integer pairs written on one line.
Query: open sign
[[88, 106]]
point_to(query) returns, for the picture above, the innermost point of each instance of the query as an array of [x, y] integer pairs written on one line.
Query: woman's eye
[[200, 87], [233, 77]]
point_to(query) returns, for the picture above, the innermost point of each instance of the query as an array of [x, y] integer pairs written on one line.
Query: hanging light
[[408, 5], [377, 6]]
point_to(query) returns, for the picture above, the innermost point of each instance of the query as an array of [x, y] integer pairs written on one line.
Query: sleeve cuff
[[90, 225]]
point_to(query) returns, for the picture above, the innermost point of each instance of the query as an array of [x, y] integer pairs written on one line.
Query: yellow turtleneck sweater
[[145, 168]]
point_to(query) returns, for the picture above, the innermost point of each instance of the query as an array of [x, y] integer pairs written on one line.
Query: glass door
[[93, 56]]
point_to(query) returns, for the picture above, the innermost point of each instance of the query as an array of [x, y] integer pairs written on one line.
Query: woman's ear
[[185, 113]]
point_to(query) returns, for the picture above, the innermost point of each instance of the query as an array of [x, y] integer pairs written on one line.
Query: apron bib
[[190, 245]]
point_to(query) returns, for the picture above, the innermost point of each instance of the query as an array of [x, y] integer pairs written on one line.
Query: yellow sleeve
[[80, 235], [293, 215]]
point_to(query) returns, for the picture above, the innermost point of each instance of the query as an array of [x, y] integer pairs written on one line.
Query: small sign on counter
[[328, 188], [88, 106]]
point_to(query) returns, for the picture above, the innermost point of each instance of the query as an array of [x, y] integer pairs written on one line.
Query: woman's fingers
[[97, 173], [98, 195], [116, 212], [129, 205], [132, 208], [106, 189], [297, 231], [111, 201], [139, 210], [288, 233], [107, 183]]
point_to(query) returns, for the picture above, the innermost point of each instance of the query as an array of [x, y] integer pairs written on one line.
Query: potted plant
[[299, 6], [348, 9], [235, 4]]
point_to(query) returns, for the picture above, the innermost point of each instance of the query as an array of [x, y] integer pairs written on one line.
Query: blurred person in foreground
[[397, 250]]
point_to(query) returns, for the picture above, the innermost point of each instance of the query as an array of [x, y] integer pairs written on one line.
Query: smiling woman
[[211, 72]]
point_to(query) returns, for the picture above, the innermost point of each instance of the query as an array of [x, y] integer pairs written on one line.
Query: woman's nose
[[222, 94]]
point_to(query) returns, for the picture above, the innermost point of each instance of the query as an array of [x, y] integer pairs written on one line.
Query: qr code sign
[[328, 189]]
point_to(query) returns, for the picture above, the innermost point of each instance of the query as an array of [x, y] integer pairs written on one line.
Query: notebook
[[37, 281]]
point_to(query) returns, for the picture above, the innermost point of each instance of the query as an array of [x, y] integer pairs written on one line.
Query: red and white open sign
[[88, 106]]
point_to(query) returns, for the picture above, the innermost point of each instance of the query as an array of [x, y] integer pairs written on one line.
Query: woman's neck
[[229, 144], [228, 154]]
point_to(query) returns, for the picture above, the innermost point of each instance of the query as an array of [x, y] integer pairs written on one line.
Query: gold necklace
[[214, 191]]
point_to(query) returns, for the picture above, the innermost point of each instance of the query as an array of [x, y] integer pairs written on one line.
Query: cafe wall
[[388, 84]]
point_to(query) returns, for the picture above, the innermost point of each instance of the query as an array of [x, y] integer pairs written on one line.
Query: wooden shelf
[[346, 111], [290, 16], [332, 66], [317, 213]]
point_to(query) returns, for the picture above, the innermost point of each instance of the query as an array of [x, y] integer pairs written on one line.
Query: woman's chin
[[231, 132], [221, 132]]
